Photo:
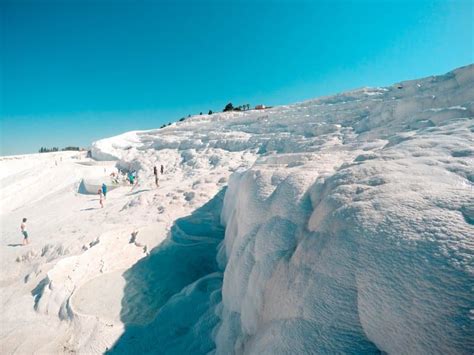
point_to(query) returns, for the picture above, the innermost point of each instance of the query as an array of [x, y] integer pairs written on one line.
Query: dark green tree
[[229, 107]]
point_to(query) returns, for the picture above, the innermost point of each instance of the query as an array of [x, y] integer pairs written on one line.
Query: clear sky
[[76, 71]]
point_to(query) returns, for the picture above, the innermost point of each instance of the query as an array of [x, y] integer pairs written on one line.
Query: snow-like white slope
[[338, 225], [353, 231]]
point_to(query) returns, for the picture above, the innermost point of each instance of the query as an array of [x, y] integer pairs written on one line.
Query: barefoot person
[[131, 178], [24, 232], [155, 172], [104, 190], [101, 197]]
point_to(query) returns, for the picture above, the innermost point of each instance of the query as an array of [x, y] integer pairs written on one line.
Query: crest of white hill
[[348, 226]]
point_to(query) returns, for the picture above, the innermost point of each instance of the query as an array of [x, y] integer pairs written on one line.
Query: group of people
[[131, 177], [102, 192], [114, 177], [155, 172]]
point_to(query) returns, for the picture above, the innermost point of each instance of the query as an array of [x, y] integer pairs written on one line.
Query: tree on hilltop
[[229, 107]]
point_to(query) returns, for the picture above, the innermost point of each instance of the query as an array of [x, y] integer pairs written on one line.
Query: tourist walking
[[104, 190], [155, 172], [24, 232], [101, 197]]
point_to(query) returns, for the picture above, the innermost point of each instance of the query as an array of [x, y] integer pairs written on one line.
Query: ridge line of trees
[[228, 107], [56, 149]]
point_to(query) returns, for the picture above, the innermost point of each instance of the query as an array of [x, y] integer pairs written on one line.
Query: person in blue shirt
[[104, 190], [131, 178]]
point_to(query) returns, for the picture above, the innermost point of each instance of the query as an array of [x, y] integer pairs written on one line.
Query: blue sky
[[75, 71]]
